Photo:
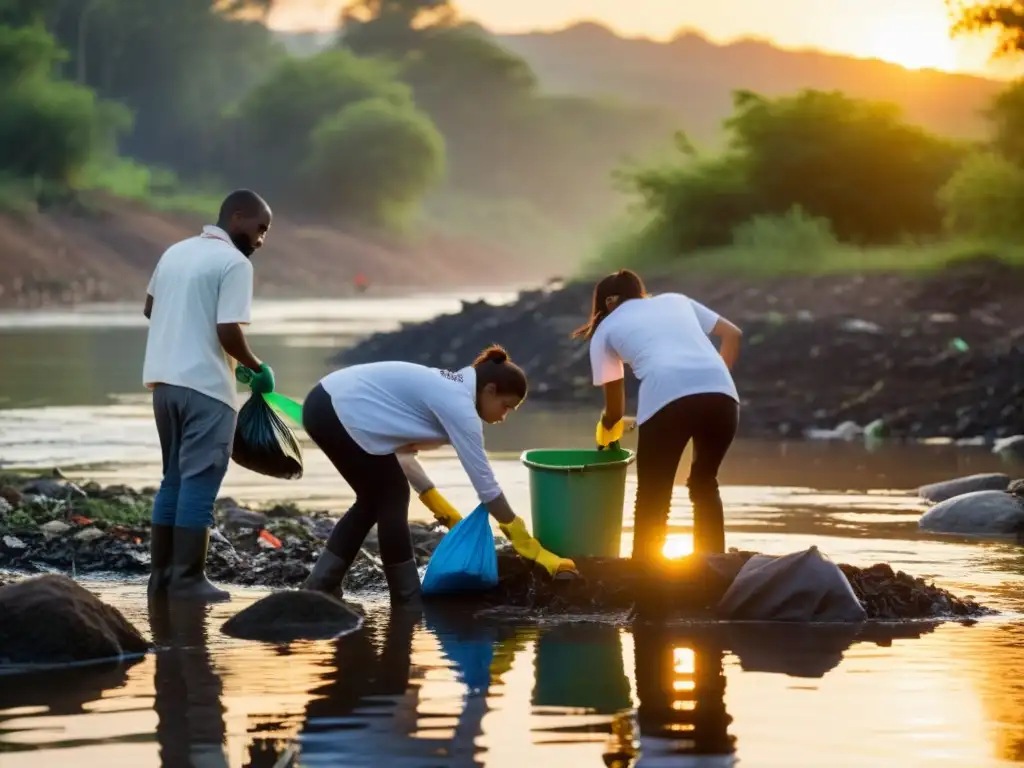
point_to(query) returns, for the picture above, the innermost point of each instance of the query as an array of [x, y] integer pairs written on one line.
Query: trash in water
[[465, 560], [264, 443]]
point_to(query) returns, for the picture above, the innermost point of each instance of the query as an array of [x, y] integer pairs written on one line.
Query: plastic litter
[[465, 560], [802, 586], [264, 443]]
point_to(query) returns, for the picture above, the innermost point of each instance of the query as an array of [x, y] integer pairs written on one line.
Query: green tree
[[392, 27], [49, 128], [1007, 117], [269, 131], [853, 162], [374, 161], [985, 197], [174, 63]]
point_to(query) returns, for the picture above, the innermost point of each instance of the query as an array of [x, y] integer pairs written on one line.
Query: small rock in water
[[13, 542], [947, 489], [979, 513], [5, 506], [52, 620], [11, 495], [1010, 448], [293, 615]]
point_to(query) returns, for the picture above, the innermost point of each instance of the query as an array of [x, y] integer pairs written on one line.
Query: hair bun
[[493, 354], [496, 354]]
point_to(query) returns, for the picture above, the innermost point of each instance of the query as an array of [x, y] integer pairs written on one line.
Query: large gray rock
[[947, 489], [980, 513], [52, 620]]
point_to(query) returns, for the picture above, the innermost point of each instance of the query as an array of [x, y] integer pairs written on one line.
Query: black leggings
[[710, 420], [382, 491]]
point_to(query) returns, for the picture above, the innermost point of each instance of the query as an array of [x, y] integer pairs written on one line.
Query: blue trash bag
[[465, 560]]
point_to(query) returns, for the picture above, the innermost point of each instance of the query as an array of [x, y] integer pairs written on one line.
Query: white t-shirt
[[390, 405], [197, 284], [665, 340]]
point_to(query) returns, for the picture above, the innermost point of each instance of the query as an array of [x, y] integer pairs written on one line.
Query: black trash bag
[[264, 443]]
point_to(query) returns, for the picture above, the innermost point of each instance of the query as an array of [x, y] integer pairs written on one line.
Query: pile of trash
[[691, 587], [50, 523]]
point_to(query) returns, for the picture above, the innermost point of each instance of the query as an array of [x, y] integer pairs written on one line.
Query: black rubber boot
[[327, 575], [161, 545], [188, 568], [404, 583]]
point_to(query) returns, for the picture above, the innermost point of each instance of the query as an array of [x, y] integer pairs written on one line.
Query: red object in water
[[361, 282], [80, 520]]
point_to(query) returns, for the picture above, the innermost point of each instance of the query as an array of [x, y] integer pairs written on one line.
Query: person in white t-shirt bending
[[370, 420], [686, 393], [198, 299]]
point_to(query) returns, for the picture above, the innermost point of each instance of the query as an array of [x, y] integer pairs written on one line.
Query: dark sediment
[[817, 351], [293, 615], [52, 532]]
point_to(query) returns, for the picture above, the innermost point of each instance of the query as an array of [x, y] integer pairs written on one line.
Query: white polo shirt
[[390, 405], [665, 340], [197, 284]]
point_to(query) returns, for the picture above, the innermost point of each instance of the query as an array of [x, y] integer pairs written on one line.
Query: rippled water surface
[[436, 690]]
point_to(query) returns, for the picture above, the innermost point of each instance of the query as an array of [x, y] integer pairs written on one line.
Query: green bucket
[[576, 499]]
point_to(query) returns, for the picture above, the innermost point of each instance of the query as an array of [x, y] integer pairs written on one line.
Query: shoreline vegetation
[[380, 148]]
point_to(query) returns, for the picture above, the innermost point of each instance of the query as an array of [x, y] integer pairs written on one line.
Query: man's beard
[[243, 243]]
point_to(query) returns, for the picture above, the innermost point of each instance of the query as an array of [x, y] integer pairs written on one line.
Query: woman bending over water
[[370, 420], [686, 393]]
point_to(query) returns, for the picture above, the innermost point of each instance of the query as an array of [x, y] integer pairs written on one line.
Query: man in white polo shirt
[[198, 299]]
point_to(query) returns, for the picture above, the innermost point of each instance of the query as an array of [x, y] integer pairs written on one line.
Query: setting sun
[[678, 545], [914, 41]]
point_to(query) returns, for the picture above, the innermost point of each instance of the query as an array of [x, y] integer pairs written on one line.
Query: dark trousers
[[382, 491], [710, 420]]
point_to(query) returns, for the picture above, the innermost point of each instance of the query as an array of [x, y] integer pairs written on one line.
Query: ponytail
[[623, 285]]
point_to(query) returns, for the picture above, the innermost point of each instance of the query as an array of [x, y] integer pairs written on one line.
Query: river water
[[433, 690]]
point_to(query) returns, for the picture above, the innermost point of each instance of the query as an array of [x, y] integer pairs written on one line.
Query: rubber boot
[[161, 545], [188, 568], [327, 575], [404, 583]]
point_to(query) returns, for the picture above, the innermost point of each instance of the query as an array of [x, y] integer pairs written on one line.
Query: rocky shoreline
[[904, 356], [50, 524]]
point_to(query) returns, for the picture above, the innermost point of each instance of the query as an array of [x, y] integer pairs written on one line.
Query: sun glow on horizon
[[915, 41]]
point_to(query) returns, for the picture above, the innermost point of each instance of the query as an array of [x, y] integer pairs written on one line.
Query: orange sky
[[909, 32]]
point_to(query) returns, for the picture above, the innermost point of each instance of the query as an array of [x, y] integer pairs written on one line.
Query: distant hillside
[[695, 78]]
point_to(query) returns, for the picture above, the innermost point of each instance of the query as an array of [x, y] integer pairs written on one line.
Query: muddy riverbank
[[912, 356], [48, 523]]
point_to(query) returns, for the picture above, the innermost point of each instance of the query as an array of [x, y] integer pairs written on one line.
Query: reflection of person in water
[[359, 677], [681, 686], [190, 716]]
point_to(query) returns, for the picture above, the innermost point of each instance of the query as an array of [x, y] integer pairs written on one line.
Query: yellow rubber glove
[[606, 437], [529, 548], [444, 512]]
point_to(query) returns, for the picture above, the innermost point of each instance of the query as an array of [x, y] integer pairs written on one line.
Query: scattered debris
[[278, 548]]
